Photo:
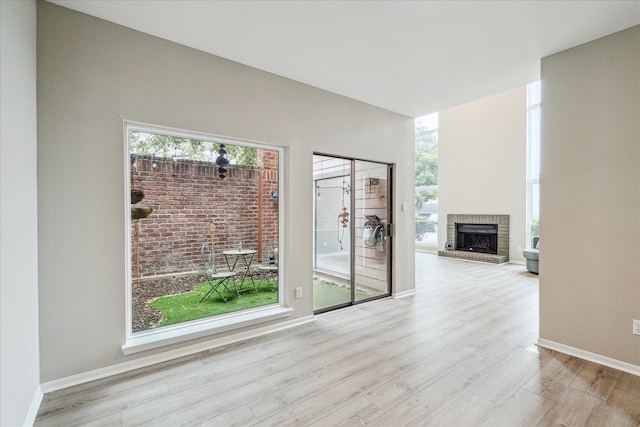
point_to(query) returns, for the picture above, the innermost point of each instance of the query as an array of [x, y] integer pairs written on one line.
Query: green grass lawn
[[185, 307], [326, 294]]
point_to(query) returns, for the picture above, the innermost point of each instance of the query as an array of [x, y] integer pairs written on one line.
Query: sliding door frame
[[387, 232]]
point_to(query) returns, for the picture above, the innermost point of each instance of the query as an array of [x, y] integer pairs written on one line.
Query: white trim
[[146, 361], [126, 194], [404, 294], [159, 337], [523, 262], [30, 419], [591, 357]]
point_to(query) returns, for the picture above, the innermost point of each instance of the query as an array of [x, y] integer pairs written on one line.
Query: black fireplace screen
[[477, 238]]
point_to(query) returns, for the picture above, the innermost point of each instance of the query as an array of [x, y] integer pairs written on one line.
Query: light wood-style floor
[[459, 353]]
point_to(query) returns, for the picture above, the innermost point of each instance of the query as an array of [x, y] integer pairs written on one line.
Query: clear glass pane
[[427, 123], [535, 210], [534, 139], [427, 221], [371, 220], [198, 240], [332, 196], [534, 93], [533, 158], [333, 241]]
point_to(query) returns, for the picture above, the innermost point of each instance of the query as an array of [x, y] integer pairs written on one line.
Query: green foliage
[[424, 225], [426, 165], [535, 227], [187, 306], [186, 148], [242, 155], [421, 229]]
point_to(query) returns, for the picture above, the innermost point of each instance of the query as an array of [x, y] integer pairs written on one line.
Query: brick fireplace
[[477, 231]]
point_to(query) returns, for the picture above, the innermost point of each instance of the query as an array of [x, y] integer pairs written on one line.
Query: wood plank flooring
[[459, 353]]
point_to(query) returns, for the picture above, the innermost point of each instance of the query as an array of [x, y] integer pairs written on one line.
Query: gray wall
[[20, 367], [92, 75], [590, 197]]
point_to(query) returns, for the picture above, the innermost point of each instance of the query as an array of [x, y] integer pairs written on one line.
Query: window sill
[[147, 340]]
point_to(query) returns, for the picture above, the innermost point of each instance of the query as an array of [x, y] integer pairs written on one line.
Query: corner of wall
[[20, 362]]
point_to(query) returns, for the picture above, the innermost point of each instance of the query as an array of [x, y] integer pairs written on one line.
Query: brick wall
[[186, 196], [268, 165]]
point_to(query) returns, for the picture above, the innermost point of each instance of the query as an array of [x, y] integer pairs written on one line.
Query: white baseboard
[[184, 332], [404, 294], [523, 262], [591, 357], [187, 350], [30, 419]]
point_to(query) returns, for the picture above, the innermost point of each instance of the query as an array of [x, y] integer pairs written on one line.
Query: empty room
[[320, 213]]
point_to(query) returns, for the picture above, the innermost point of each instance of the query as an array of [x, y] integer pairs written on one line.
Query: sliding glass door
[[351, 240]]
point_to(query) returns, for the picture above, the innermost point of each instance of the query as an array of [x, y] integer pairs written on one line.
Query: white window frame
[[166, 335]]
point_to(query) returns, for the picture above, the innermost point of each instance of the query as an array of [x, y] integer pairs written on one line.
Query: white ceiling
[[412, 57]]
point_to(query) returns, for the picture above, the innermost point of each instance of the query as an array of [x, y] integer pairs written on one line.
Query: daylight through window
[[204, 228], [533, 163], [427, 181]]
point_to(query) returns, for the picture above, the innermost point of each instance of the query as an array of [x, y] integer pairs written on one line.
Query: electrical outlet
[[519, 248], [636, 327], [298, 292]]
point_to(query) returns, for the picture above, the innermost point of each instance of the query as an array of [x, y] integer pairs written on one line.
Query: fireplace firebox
[[477, 238]]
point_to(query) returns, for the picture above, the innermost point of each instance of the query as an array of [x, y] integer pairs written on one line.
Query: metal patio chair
[[269, 270], [216, 278]]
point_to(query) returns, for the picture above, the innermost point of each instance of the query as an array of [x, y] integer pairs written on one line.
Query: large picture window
[[203, 228]]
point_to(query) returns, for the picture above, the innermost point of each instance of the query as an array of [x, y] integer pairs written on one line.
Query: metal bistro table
[[246, 255]]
